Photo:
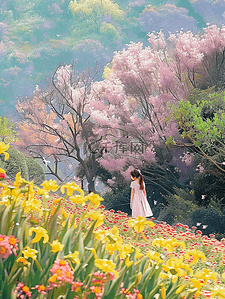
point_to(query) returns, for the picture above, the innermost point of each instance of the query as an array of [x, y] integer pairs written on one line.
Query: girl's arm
[[144, 192], [131, 197]]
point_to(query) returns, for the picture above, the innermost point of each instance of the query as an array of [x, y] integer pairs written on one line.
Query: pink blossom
[[7, 246], [62, 273], [22, 291]]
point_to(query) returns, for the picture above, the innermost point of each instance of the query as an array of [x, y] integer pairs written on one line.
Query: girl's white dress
[[140, 205]]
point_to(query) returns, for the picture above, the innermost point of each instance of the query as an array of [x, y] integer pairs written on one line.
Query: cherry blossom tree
[[133, 103], [56, 123], [125, 120]]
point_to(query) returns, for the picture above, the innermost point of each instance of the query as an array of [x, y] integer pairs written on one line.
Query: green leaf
[[64, 230], [38, 265], [52, 225], [115, 287], [154, 291], [89, 234], [6, 219]]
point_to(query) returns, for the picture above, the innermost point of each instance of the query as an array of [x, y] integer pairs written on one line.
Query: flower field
[[66, 245]]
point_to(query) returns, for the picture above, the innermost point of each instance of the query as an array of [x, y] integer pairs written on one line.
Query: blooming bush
[[71, 247]]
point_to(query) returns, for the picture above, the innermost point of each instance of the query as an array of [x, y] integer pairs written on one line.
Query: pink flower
[[76, 286], [22, 291], [61, 273], [41, 289], [5, 248], [111, 275], [97, 291]]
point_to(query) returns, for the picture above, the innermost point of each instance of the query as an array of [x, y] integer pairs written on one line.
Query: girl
[[138, 200]]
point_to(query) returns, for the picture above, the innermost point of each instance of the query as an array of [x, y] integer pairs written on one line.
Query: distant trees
[[125, 120], [56, 123]]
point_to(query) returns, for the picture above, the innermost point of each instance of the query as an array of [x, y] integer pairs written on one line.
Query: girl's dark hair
[[136, 174]]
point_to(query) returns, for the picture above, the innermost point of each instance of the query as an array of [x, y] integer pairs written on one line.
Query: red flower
[[2, 176]]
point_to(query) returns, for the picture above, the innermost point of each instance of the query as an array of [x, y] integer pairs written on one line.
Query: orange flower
[[12, 241], [25, 289], [22, 260]]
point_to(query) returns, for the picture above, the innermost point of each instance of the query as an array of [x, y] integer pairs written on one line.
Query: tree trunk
[[91, 186]]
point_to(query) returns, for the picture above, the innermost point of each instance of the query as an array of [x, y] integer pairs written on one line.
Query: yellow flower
[[100, 234], [57, 200], [29, 252], [42, 191], [138, 224], [196, 255], [3, 148], [77, 199], [4, 200], [106, 266], [50, 185], [205, 275], [56, 246], [128, 263], [40, 233], [124, 250], [169, 244], [113, 235], [93, 251], [153, 255], [180, 289], [177, 268], [71, 187], [65, 215], [111, 247], [196, 283], [94, 199], [53, 278], [138, 253], [73, 257], [33, 204], [20, 181], [218, 291], [2, 170], [106, 72], [95, 215]]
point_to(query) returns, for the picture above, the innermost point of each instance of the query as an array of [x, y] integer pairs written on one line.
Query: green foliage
[[97, 8], [212, 218], [180, 207], [35, 171], [109, 30], [15, 163], [208, 185], [7, 132], [118, 200], [202, 123], [30, 169]]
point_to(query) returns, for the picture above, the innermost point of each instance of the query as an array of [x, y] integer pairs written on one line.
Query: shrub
[[118, 200], [35, 171], [16, 163], [180, 207], [210, 220]]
